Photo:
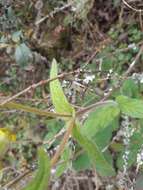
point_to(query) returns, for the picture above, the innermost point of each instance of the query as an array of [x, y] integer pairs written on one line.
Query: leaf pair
[[62, 106]]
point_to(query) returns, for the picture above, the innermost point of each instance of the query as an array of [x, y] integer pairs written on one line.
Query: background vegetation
[[85, 52]]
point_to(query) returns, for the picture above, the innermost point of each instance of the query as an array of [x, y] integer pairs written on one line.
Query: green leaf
[[61, 169], [40, 181], [59, 100], [103, 137], [108, 63], [99, 119], [23, 55], [130, 106], [65, 157], [82, 162], [95, 155], [13, 105], [130, 88]]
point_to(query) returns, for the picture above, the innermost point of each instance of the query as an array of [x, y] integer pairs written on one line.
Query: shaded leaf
[[41, 179], [103, 137], [82, 162], [23, 54], [95, 155]]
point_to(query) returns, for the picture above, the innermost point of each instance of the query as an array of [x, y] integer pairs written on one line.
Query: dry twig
[[53, 13], [33, 86], [132, 8]]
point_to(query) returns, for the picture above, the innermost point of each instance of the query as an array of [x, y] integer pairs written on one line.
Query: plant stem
[[93, 106], [63, 142], [17, 106], [33, 86]]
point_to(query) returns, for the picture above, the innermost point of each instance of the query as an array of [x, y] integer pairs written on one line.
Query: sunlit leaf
[[59, 100], [130, 106], [99, 119], [130, 88]]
